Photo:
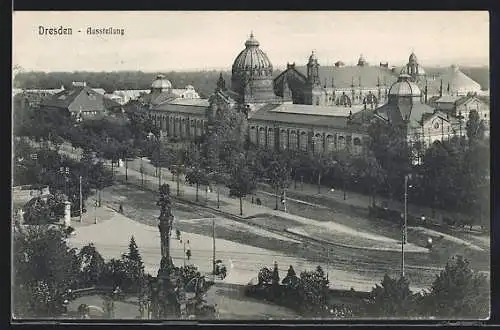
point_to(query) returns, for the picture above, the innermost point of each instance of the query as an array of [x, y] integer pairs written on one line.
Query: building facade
[[298, 111]]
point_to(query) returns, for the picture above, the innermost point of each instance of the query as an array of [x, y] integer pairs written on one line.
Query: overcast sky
[[159, 41]]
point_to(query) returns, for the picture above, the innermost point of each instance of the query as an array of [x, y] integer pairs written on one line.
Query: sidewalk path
[[111, 238], [358, 239], [231, 205]]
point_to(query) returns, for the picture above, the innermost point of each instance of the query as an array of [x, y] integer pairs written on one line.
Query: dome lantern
[[252, 42], [412, 58]]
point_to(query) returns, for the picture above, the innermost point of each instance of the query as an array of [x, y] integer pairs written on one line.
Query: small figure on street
[[259, 202], [178, 235], [120, 208], [188, 251]]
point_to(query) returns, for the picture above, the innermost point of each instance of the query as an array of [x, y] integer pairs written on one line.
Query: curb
[[308, 238], [317, 240], [351, 246]]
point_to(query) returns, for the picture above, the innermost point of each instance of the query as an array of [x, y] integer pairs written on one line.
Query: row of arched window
[[178, 126], [299, 140]]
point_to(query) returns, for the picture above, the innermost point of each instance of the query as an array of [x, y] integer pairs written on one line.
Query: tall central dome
[[252, 74]]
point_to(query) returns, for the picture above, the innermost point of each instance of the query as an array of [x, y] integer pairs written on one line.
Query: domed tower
[[314, 94], [404, 94], [252, 74], [413, 69], [313, 70], [161, 84]]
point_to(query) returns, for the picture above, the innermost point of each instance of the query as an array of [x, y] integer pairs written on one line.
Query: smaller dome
[[189, 87], [454, 68], [161, 82], [404, 87]]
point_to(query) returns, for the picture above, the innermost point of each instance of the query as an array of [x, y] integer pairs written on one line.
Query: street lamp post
[[81, 200], [159, 163], [284, 199], [184, 254], [95, 210], [64, 171], [142, 172], [213, 244], [404, 230], [218, 197]]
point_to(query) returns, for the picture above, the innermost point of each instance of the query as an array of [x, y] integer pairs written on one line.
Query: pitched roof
[[195, 109], [64, 98], [394, 112], [79, 98], [194, 102], [290, 78], [345, 76], [110, 103], [157, 98], [298, 114], [447, 99]]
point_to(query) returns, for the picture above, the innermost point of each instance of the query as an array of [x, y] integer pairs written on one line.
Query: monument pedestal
[[67, 213]]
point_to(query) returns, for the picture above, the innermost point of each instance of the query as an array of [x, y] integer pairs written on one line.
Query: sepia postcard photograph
[[250, 165]]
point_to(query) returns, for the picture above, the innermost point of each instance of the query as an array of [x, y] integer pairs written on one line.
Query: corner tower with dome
[[252, 74], [421, 123]]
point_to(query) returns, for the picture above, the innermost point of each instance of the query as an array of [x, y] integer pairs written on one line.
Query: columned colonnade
[[179, 125], [312, 139]]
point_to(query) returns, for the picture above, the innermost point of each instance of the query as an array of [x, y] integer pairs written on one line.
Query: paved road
[[348, 267], [420, 270]]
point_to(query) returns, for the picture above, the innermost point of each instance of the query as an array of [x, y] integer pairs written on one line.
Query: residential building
[[81, 101]]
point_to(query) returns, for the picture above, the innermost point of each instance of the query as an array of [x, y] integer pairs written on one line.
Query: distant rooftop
[[314, 110], [193, 102]]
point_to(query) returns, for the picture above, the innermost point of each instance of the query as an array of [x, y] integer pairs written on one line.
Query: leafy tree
[[278, 172], [127, 151], [212, 163], [115, 273], [242, 180], [189, 272], [457, 179], [98, 177], [368, 171], [475, 127], [295, 165], [458, 292], [92, 265], [314, 289], [44, 269], [41, 211], [195, 172], [265, 276], [389, 146], [319, 164], [392, 298]]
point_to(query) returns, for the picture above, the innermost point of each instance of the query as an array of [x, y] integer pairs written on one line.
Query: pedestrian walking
[[120, 209], [178, 235], [188, 250]]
